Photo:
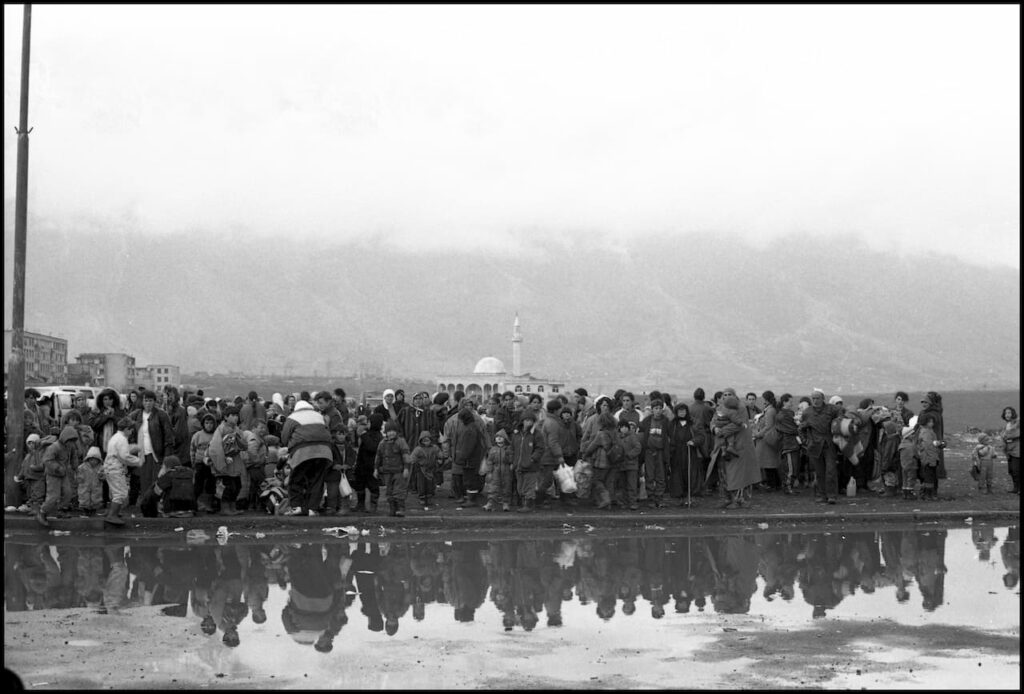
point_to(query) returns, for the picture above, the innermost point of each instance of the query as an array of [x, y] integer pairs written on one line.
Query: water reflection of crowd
[[525, 580]]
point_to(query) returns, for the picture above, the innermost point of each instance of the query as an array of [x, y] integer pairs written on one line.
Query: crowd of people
[[173, 453], [525, 580]]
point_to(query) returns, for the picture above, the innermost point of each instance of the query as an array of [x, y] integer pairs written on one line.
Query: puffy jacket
[[527, 449], [550, 430], [392, 455]]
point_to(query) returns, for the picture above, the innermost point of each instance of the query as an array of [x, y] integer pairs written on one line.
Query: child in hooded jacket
[[59, 461], [33, 473], [392, 466], [498, 482], [984, 458], [90, 482], [424, 465]]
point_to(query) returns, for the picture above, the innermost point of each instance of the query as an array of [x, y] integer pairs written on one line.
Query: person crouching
[[176, 486], [90, 482]]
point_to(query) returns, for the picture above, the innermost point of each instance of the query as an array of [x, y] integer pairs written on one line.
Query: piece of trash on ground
[[260, 536], [60, 532], [196, 535], [969, 519], [653, 527], [178, 530], [762, 526]]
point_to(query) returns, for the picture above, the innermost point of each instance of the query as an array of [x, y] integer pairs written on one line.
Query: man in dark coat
[[155, 439]]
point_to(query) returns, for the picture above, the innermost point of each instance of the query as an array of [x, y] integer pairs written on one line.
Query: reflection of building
[[158, 376], [489, 376], [112, 369], [46, 357]]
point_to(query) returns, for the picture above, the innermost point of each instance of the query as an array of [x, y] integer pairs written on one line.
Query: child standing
[[391, 466], [984, 457], [627, 433], [498, 484], [527, 447], [120, 456], [33, 474], [90, 482], [59, 462], [424, 458]]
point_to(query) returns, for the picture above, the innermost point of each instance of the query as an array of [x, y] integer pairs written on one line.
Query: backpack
[[182, 484], [616, 454]]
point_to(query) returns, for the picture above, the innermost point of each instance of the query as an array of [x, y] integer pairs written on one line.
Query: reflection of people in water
[[734, 560], [818, 581], [653, 567], [339, 564], [226, 606], [426, 577], [394, 582], [894, 572], [931, 567], [984, 539], [115, 589], [311, 595], [365, 563], [1011, 557], [206, 573], [500, 565], [465, 579], [553, 582], [90, 577]]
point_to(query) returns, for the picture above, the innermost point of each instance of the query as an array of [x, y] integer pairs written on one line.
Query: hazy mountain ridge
[[693, 310]]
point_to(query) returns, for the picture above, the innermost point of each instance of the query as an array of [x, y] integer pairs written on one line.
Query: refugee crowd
[[525, 580], [307, 454]]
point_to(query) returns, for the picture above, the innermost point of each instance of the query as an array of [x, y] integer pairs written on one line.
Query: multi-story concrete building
[[156, 377], [112, 369], [46, 357]]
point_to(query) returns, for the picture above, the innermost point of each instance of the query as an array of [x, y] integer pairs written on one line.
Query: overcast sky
[[483, 125]]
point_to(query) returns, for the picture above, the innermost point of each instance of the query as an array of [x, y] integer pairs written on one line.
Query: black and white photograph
[[512, 346]]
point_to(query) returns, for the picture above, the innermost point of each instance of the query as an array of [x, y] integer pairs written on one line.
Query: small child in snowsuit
[[627, 433], [721, 420], [90, 482], [59, 460], [984, 458], [498, 482], [33, 473], [424, 458], [392, 466]]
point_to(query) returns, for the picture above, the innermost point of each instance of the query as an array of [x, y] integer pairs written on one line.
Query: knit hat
[[94, 452], [835, 400], [387, 391], [441, 398], [500, 433], [31, 438], [171, 461], [528, 414], [582, 391], [68, 433], [984, 439], [425, 435]]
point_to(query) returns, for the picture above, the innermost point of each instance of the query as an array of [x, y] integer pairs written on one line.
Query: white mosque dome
[[489, 365]]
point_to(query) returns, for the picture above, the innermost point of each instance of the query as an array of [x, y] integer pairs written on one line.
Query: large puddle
[[923, 607]]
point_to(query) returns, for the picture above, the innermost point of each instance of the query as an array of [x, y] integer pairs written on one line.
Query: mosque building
[[489, 376]]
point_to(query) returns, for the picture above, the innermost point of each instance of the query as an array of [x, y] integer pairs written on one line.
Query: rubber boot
[[527, 506], [227, 508], [734, 500], [604, 499], [204, 503], [114, 514], [41, 517], [472, 501]]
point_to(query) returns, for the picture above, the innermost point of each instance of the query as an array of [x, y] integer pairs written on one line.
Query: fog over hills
[[674, 312]]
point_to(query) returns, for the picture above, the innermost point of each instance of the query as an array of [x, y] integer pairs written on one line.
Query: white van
[[64, 397]]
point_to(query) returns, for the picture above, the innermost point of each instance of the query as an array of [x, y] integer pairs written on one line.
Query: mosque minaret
[[517, 341]]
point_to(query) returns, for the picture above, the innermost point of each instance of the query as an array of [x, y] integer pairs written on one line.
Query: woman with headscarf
[[931, 404], [387, 408], [686, 471], [1011, 446], [766, 443], [739, 470]]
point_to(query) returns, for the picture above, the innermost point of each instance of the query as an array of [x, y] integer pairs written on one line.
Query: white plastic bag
[[565, 479], [344, 487]]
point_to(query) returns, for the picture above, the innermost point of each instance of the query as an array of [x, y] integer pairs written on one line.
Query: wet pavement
[[912, 606]]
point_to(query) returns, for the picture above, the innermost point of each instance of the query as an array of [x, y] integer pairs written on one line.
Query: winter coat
[[569, 437], [392, 455], [179, 425], [816, 428], [1011, 438], [413, 421], [426, 458], [742, 470], [227, 451], [199, 447], [935, 409], [631, 449], [307, 436], [250, 413], [767, 456], [598, 449], [104, 424], [927, 451], [785, 425], [550, 429], [527, 449], [160, 432], [61, 457], [32, 467], [119, 456]]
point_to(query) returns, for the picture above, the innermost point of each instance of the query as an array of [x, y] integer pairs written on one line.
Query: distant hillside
[[700, 310]]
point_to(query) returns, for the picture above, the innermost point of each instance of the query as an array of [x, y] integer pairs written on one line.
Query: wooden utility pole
[[16, 383]]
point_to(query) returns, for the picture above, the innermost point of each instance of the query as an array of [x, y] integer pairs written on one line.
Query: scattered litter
[[728, 628], [968, 520], [196, 535], [653, 527], [762, 526], [60, 532], [364, 532], [223, 535], [178, 529], [260, 536], [588, 527], [343, 530], [566, 528]]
